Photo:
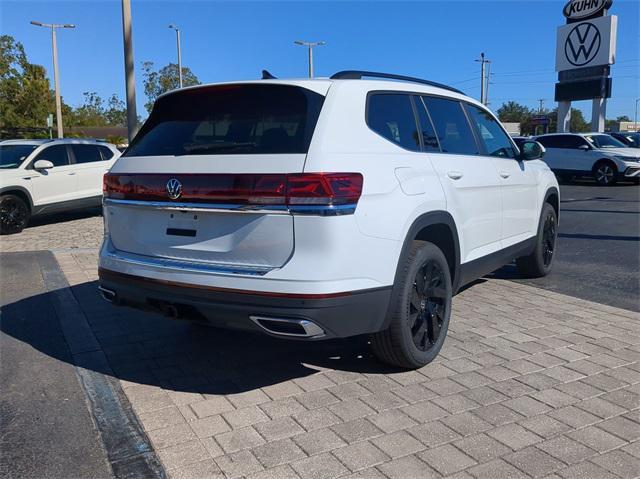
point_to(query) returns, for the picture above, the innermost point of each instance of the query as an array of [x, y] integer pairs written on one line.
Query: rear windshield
[[228, 120]]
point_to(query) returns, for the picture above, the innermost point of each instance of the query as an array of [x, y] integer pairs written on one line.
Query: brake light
[[292, 190]]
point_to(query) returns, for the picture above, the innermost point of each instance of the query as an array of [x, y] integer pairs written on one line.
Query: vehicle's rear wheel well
[[20, 194], [441, 235]]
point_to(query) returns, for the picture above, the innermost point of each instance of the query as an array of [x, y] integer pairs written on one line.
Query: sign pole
[[598, 114], [564, 117]]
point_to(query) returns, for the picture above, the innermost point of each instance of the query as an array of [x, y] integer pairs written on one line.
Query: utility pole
[[483, 78], [541, 108], [174, 27], [310, 45], [130, 83], [635, 116], [56, 80]]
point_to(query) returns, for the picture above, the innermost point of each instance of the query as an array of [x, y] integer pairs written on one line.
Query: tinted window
[[605, 141], [391, 116], [429, 137], [562, 141], [86, 153], [56, 154], [107, 154], [230, 119], [495, 140], [451, 126], [12, 156]]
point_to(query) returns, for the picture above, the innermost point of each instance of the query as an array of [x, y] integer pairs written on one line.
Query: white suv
[[323, 208], [49, 176], [599, 155]]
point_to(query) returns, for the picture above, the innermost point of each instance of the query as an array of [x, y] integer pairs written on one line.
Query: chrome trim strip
[[187, 266], [319, 210], [210, 207]]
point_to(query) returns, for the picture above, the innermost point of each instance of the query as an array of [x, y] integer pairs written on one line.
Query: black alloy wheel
[[548, 239], [14, 214], [427, 305]]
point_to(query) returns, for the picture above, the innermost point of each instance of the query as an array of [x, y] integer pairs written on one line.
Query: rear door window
[[391, 116], [56, 154], [228, 120], [452, 127], [493, 138], [86, 153]]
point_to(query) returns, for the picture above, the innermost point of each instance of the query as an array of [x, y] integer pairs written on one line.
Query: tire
[[605, 173], [540, 261], [14, 214], [419, 322]]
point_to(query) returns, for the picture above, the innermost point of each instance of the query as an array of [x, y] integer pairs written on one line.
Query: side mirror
[[43, 165], [531, 150], [584, 147]]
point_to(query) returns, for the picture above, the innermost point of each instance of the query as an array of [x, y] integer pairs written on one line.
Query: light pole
[[635, 116], [130, 82], [56, 81], [310, 45], [174, 27]]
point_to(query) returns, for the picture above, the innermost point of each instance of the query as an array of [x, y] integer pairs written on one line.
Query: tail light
[[300, 192]]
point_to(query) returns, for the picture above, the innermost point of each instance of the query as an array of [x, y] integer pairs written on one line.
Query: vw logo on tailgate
[[582, 44], [174, 189]]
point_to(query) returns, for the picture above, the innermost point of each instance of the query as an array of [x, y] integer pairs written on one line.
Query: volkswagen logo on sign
[[174, 189], [582, 44]]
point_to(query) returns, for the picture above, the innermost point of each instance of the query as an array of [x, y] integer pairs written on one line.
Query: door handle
[[454, 175], [504, 174]]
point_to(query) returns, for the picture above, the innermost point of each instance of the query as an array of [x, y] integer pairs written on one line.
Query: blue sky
[[224, 41]]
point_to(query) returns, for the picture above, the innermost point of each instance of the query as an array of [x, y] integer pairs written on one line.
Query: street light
[[174, 27], [56, 82], [310, 45]]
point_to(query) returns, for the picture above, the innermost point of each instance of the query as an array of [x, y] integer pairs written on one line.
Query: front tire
[[605, 173], [420, 310], [540, 261], [14, 214]]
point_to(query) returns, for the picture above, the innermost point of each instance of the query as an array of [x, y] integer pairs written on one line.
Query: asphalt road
[[46, 427], [598, 249]]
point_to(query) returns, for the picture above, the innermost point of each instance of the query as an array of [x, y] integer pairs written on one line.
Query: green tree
[[577, 124], [94, 111], [516, 113], [610, 124], [157, 82], [25, 95]]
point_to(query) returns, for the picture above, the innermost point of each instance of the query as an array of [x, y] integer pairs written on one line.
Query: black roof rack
[[358, 74]]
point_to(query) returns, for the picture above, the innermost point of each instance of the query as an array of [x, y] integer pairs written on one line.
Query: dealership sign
[[577, 9], [586, 44]]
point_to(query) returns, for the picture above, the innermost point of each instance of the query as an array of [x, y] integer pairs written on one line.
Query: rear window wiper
[[206, 147]]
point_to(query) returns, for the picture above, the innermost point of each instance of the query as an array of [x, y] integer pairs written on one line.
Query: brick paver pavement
[[530, 383]]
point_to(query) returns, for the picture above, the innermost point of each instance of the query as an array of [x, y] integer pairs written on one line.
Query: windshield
[[11, 156], [605, 141], [228, 120]]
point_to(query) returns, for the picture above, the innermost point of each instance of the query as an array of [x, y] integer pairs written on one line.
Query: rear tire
[[420, 310], [540, 261], [605, 173], [14, 214]]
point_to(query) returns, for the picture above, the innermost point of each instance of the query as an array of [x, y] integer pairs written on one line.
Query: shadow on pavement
[[147, 348], [64, 217]]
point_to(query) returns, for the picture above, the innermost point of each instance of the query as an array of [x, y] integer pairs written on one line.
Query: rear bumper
[[338, 315]]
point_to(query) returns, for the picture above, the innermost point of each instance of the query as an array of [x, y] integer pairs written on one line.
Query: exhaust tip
[[107, 294], [300, 328]]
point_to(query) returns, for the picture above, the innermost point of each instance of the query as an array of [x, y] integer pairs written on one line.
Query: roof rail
[[358, 74]]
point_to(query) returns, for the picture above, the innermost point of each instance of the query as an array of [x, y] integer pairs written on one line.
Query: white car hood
[[629, 152]]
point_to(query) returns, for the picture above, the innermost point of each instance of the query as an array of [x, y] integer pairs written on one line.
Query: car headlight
[[626, 158]]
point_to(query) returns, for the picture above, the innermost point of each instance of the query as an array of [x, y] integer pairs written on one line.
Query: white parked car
[[49, 176], [598, 155], [323, 208]]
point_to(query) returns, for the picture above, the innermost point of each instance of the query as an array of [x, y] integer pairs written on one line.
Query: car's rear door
[[203, 182], [518, 179], [54, 185], [470, 180], [90, 168]]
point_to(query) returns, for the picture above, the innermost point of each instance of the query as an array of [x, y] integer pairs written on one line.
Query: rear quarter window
[[391, 116], [230, 119]]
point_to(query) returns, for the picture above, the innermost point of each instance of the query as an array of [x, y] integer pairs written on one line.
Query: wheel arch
[[552, 196], [20, 192]]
